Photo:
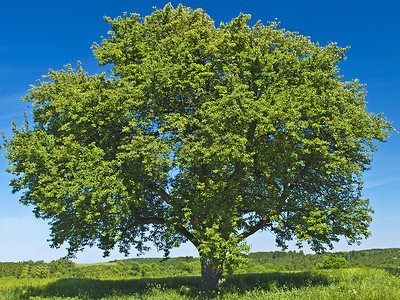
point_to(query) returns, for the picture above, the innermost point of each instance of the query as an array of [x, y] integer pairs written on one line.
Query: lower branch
[[187, 234], [182, 230], [260, 224]]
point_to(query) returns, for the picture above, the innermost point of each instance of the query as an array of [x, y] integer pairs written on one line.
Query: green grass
[[354, 283]]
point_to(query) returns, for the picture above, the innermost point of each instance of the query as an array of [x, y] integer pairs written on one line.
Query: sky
[[41, 35]]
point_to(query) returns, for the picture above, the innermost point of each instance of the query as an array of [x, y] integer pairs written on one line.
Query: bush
[[335, 261]]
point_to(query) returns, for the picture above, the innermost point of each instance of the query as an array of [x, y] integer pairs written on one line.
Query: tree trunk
[[210, 278]]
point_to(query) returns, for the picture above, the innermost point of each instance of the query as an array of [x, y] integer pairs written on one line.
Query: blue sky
[[38, 35]]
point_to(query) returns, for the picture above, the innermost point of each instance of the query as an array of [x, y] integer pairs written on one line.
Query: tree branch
[[166, 197], [182, 230], [260, 224], [187, 234], [154, 187], [153, 220]]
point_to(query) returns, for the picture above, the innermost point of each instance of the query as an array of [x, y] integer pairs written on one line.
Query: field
[[178, 279], [352, 283]]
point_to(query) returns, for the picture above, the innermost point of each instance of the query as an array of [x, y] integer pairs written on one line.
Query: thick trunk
[[210, 278]]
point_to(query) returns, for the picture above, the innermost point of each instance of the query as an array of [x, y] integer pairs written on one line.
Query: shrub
[[335, 261]]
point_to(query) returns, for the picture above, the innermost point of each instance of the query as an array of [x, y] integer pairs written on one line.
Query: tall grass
[[346, 284]]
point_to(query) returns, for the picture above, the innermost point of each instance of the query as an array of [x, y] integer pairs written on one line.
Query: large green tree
[[198, 133]]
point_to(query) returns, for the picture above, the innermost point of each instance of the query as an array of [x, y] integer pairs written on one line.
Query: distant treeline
[[156, 267], [292, 260]]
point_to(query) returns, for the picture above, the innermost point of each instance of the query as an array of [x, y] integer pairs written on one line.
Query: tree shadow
[[393, 270], [273, 281], [186, 286]]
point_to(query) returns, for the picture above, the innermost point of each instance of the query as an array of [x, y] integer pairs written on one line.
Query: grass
[[354, 283]]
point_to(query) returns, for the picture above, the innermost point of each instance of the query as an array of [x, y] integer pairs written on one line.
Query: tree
[[199, 133], [334, 261]]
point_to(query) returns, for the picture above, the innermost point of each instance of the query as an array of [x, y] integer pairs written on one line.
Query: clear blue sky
[[38, 35]]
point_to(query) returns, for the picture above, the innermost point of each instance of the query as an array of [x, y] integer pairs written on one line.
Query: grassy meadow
[[350, 282]]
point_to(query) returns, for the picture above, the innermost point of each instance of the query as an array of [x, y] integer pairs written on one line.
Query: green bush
[[335, 261]]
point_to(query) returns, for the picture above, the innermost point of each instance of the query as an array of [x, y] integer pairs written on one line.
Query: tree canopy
[[198, 133]]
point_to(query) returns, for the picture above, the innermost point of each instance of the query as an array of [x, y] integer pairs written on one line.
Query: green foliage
[[384, 258], [34, 270], [335, 261], [200, 133], [11, 269], [61, 268]]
